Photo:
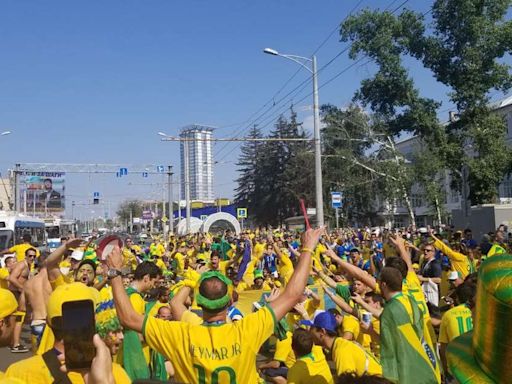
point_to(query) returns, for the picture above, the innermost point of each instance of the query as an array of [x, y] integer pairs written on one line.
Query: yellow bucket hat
[[8, 303], [70, 292]]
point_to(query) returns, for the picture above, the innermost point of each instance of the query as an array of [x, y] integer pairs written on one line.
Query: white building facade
[[395, 213]]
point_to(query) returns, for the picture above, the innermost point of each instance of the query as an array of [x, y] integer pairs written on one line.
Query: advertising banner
[[42, 193]]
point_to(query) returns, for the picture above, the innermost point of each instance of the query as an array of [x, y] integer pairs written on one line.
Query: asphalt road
[[7, 358]]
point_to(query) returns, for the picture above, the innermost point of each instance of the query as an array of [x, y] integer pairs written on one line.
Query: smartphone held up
[[79, 328]]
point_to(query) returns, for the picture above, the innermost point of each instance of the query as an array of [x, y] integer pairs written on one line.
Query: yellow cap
[[70, 292], [8, 303]]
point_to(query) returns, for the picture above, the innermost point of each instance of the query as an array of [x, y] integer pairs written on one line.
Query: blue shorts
[[37, 333]]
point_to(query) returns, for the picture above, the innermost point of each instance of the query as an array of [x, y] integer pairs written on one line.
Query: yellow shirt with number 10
[[214, 353], [455, 322]]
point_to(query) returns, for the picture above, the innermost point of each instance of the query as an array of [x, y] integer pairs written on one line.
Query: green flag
[[405, 355]]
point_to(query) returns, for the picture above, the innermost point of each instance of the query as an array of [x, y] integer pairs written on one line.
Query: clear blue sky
[[93, 81]]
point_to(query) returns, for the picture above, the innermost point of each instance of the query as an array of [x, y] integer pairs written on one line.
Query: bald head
[[213, 288]]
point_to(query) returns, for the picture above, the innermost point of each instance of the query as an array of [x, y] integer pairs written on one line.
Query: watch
[[113, 273]]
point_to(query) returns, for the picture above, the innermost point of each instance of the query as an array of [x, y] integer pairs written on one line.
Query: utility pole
[[169, 199], [318, 149], [16, 187]]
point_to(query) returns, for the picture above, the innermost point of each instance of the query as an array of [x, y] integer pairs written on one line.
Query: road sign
[[204, 217], [165, 219], [241, 213], [147, 215], [160, 168], [336, 199], [123, 171], [96, 194], [145, 174]]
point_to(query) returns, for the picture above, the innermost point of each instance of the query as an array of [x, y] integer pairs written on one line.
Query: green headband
[[215, 304]]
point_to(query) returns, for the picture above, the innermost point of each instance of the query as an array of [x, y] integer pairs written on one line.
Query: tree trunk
[[438, 212], [408, 204]]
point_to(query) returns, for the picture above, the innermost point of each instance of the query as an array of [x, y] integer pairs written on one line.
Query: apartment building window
[[417, 200], [506, 188]]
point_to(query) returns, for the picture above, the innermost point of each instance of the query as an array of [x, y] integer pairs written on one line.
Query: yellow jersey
[[4, 276], [284, 352], [180, 261], [213, 353], [20, 250], [311, 369], [351, 357], [460, 262], [258, 250], [129, 259], [455, 322], [285, 266], [34, 371], [223, 266], [351, 324]]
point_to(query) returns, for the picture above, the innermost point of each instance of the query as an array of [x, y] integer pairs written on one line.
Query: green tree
[[274, 174], [396, 104], [345, 144], [247, 168], [129, 209], [463, 48]]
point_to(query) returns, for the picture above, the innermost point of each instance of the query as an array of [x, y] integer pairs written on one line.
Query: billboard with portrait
[[42, 193]]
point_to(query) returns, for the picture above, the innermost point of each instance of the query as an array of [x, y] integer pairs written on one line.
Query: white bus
[[14, 225], [57, 228]]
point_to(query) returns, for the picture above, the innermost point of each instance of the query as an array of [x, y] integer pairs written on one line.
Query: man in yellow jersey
[[460, 262], [407, 356], [8, 307], [311, 366], [217, 265], [135, 354], [214, 352], [39, 368], [347, 355], [20, 249], [457, 320], [5, 271], [17, 278], [130, 253]]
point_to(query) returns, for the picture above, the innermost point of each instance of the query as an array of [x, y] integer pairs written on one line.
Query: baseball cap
[[354, 250], [69, 292], [8, 303], [324, 320], [454, 275], [77, 255]]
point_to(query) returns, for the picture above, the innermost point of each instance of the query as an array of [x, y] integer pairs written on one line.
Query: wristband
[[304, 249]]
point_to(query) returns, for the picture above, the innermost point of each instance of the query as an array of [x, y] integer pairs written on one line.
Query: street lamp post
[[316, 125], [186, 169], [169, 199]]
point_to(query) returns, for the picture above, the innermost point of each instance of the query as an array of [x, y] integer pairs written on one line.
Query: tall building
[[200, 161]]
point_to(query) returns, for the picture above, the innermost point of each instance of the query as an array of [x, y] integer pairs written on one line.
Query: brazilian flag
[[407, 354]]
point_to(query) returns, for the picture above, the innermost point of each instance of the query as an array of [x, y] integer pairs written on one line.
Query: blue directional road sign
[[336, 199], [145, 174], [96, 194], [160, 169], [241, 213], [123, 171]]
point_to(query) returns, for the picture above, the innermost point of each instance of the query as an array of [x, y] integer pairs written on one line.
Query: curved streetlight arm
[[298, 59]]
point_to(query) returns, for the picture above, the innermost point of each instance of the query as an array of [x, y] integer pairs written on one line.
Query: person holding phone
[[45, 368], [214, 350]]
